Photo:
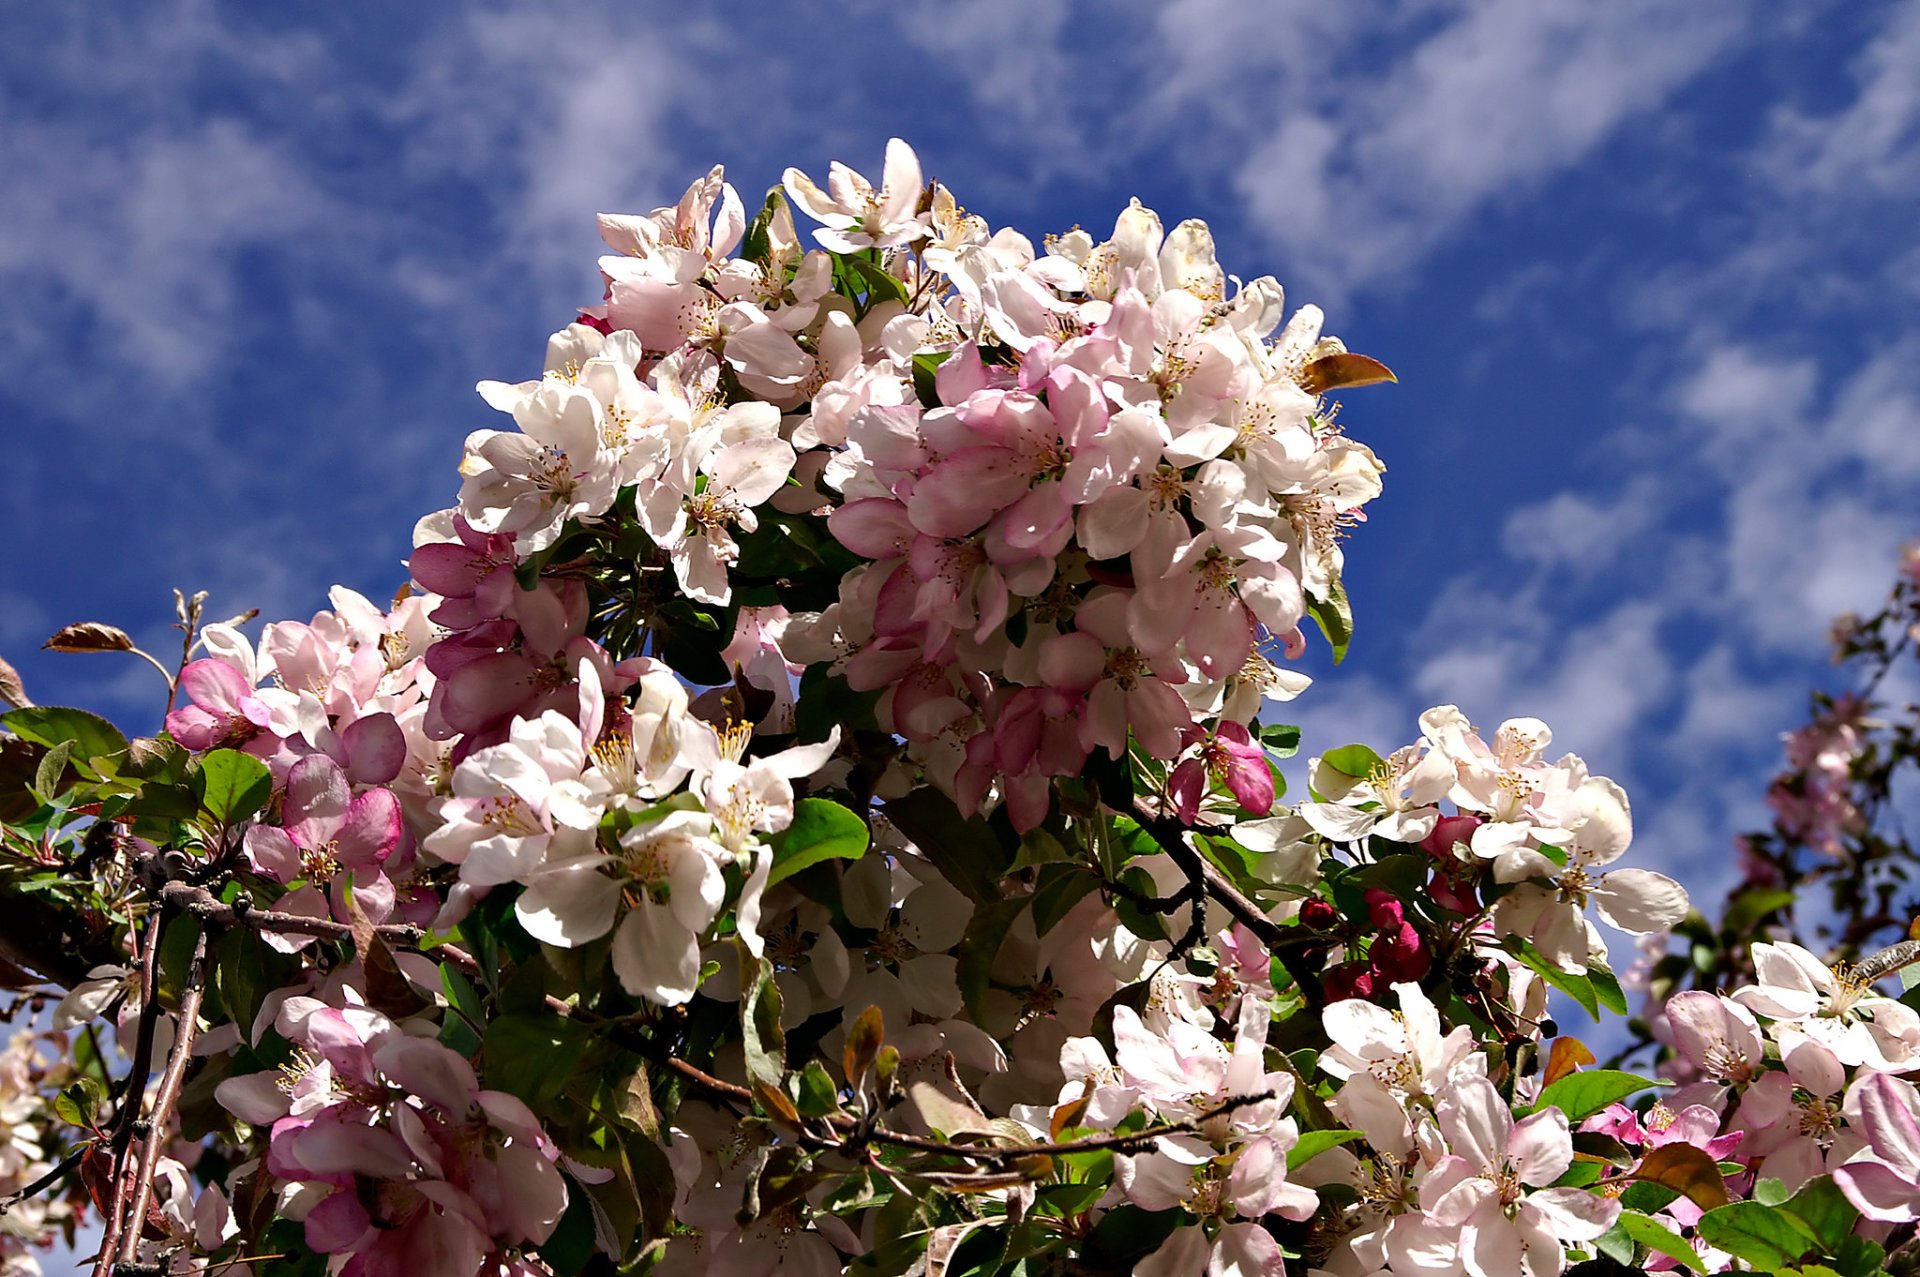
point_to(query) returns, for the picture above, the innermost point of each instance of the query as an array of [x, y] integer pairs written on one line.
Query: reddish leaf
[[12, 690], [1567, 1055], [1337, 372], [1686, 1170], [90, 636]]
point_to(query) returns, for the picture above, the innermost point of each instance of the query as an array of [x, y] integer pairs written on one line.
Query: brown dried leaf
[[1337, 372], [12, 690], [90, 636], [1567, 1055], [388, 990], [1687, 1170], [636, 1103], [776, 1103], [1067, 1115]]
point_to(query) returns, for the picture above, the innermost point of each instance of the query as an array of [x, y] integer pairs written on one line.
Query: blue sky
[[1646, 269]]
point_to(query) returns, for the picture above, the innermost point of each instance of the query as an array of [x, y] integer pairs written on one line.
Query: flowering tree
[[814, 809]]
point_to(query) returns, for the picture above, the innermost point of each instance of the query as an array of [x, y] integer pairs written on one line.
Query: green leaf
[[1614, 1244], [1577, 987], [1126, 1235], [1314, 1143], [532, 1054], [816, 1094], [1334, 616], [92, 736], [1748, 907], [924, 386], [821, 830], [1606, 988], [1580, 1174], [53, 763], [231, 785], [880, 286], [1581, 1095], [1281, 739], [1356, 761], [1059, 889], [965, 849], [756, 245], [1825, 1209], [1765, 1236], [1655, 1236], [762, 1038], [1647, 1198], [79, 1104]]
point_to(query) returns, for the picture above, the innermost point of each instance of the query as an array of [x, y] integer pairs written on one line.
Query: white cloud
[[550, 131], [133, 211], [1360, 174], [1578, 532], [1593, 684], [1873, 143]]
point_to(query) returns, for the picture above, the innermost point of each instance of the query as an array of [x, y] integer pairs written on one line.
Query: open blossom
[[1395, 801], [853, 213], [1389, 1060], [222, 709], [496, 826], [1885, 1182], [1833, 1006], [666, 881], [1481, 1190], [1636, 901], [331, 835], [554, 467]]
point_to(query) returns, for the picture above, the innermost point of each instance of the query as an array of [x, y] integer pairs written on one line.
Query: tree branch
[[164, 1100], [128, 1113], [208, 907]]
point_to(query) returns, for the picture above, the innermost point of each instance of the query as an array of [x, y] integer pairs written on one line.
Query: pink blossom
[[1226, 756], [330, 832], [222, 710]]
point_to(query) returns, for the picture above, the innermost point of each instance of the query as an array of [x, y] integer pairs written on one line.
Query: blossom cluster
[[25, 1074], [810, 810]]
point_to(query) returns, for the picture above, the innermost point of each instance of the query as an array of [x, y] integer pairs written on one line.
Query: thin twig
[[165, 1098], [208, 907], [1172, 838], [46, 1181], [130, 1098]]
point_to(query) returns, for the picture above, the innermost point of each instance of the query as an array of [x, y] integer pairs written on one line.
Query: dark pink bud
[[1319, 915], [1398, 955], [1450, 830], [1383, 910], [1348, 980]]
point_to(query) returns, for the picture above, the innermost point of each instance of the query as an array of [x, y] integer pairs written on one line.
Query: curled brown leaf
[[90, 636]]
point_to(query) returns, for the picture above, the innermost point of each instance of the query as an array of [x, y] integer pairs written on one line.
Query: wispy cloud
[[1379, 131]]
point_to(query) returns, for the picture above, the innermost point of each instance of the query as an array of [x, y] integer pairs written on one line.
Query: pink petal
[[370, 829], [375, 749], [317, 796], [215, 685]]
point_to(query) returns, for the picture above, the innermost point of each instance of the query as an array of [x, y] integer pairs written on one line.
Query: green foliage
[[1581, 1095], [821, 830], [231, 786]]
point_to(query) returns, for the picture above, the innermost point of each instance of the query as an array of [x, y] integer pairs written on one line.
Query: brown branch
[[208, 907], [1171, 835], [46, 1181], [128, 1113], [1088, 1144], [164, 1099]]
